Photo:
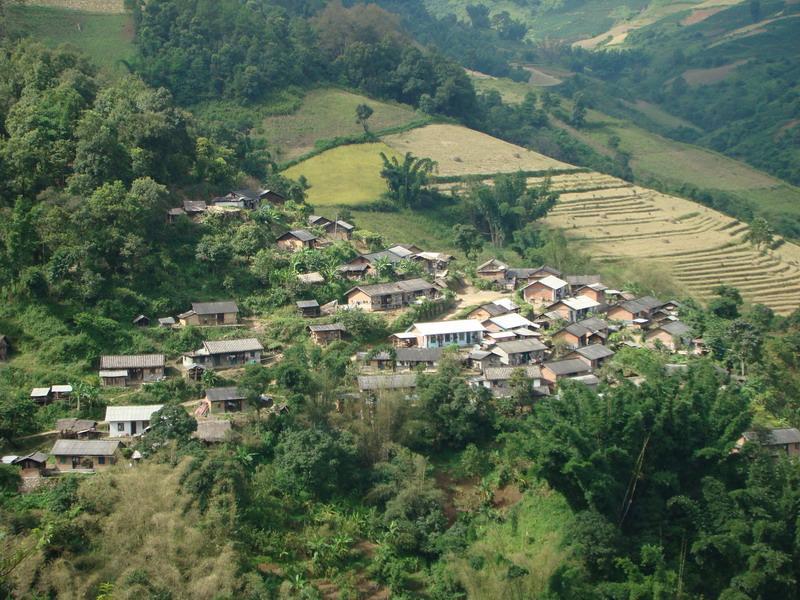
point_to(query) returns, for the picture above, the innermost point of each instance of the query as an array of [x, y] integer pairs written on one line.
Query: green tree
[[760, 233], [407, 179], [746, 342], [170, 422], [315, 463], [726, 303], [578, 118], [467, 239], [363, 113]]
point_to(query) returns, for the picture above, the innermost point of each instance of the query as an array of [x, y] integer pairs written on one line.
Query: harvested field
[[462, 151], [701, 247], [712, 75]]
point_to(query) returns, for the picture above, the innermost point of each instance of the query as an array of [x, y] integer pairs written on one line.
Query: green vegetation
[[106, 38], [326, 114], [347, 175]]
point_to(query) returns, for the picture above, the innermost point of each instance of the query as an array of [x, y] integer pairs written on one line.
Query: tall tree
[[407, 179], [363, 113]]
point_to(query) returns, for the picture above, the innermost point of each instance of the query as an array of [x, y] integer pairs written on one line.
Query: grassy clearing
[[531, 536], [95, 6], [326, 114], [347, 175], [461, 151], [107, 38]]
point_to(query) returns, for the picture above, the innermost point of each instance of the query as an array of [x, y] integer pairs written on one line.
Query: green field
[[347, 175], [106, 38], [326, 114]]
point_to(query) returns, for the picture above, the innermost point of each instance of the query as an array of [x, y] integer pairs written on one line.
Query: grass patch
[[325, 114], [105, 37], [532, 536], [347, 175]]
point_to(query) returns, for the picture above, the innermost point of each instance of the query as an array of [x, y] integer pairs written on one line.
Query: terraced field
[[701, 247]]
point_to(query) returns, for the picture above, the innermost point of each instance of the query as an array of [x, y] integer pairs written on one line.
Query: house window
[[62, 460], [120, 426], [101, 460]]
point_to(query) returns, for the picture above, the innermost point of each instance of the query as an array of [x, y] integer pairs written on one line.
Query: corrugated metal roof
[[61, 389], [84, 447], [75, 425], [774, 437], [418, 354], [445, 327], [220, 394], [387, 382], [213, 308], [518, 346], [132, 361], [225, 346], [108, 373], [511, 321], [327, 327], [131, 413], [505, 373], [40, 392], [307, 304]]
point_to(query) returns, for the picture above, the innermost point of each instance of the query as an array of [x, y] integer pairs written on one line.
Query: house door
[[75, 462], [133, 427]]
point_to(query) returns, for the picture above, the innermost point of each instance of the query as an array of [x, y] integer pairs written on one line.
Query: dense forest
[[652, 496]]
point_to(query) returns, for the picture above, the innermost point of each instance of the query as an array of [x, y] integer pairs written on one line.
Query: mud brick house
[[224, 399], [547, 290], [133, 369], [492, 270], [225, 354], [671, 334], [390, 296], [225, 312], [322, 335], [594, 355], [85, 455], [296, 239]]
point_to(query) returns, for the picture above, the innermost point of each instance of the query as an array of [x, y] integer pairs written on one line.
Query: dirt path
[[472, 296]]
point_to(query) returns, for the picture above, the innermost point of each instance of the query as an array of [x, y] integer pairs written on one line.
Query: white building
[[438, 334], [125, 421]]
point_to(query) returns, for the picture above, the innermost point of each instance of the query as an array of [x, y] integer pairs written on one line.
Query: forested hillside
[[137, 192]]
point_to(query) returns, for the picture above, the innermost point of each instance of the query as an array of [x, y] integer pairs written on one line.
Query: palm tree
[[407, 178]]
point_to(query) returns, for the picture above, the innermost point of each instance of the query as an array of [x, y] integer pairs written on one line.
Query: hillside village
[[540, 329], [383, 299]]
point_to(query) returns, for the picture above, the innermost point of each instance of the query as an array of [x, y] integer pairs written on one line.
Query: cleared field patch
[[106, 37], [95, 6], [712, 75], [347, 175], [327, 114], [461, 151], [700, 247]]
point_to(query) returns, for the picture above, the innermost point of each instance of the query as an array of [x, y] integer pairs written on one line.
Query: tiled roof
[[595, 351], [518, 346], [567, 366], [505, 373], [141, 412], [132, 361]]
